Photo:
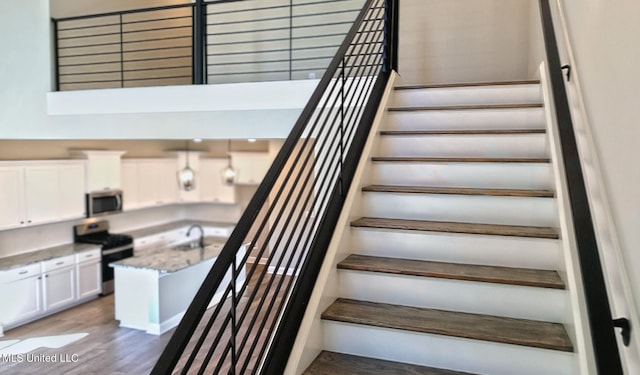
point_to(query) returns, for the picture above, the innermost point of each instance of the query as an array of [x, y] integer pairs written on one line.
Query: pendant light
[[229, 173], [187, 176]]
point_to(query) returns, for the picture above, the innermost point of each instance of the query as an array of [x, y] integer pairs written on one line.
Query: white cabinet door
[[89, 279], [250, 166], [41, 193], [71, 197], [59, 288], [20, 291], [212, 189], [157, 182], [129, 181], [11, 197], [103, 170]]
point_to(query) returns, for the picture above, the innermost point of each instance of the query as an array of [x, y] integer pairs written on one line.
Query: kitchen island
[[154, 289]]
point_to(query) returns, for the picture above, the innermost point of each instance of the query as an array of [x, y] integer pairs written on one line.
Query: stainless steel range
[[114, 247]]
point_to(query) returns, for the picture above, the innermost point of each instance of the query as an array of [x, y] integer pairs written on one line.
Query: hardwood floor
[[107, 349]]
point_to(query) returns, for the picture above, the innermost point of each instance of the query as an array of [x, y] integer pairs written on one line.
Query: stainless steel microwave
[[104, 202]]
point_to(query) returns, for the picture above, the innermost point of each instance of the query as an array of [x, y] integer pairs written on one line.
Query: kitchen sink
[[191, 246]]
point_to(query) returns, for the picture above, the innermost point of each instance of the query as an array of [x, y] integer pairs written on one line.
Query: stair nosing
[[467, 84], [396, 133], [534, 193], [466, 107], [457, 227], [547, 279], [434, 321], [414, 159]]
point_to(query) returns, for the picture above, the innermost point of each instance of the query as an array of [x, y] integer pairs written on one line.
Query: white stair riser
[[521, 118], [512, 145], [455, 295], [536, 253], [472, 175], [462, 208], [446, 352], [471, 95]]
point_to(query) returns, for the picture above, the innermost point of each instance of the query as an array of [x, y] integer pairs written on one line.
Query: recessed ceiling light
[[197, 140], [251, 140]]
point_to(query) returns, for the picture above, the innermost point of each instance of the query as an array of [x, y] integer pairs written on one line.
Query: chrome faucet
[[201, 242]]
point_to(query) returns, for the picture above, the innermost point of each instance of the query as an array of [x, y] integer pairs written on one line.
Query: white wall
[[603, 41], [444, 41]]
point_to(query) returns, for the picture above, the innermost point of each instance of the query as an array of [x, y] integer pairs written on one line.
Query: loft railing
[[216, 41], [265, 274], [601, 323]]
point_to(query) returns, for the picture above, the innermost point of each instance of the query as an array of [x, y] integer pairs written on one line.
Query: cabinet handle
[[88, 255], [22, 272], [22, 222], [28, 221], [46, 275], [39, 277], [59, 263]]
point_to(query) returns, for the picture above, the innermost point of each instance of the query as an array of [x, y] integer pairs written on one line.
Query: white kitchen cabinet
[[59, 287], [129, 184], [89, 274], [11, 196], [103, 169], [40, 192], [21, 294], [42, 187], [71, 195], [250, 167], [212, 188], [157, 182]]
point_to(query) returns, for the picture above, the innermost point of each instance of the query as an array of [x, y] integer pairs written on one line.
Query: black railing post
[[390, 35], [121, 55], [199, 30], [56, 63], [605, 348]]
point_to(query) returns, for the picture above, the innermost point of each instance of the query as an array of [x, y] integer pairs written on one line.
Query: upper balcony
[[224, 62]]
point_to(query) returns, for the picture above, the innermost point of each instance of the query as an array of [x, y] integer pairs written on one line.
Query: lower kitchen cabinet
[[21, 294], [36, 290], [89, 274]]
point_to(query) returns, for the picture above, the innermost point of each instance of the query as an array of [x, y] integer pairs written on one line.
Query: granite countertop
[[155, 229], [44, 254], [169, 260]]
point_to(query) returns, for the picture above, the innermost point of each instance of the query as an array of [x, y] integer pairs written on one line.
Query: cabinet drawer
[[54, 264], [89, 256], [19, 273]]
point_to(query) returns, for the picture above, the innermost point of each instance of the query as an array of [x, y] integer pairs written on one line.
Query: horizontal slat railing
[[605, 348], [204, 42], [268, 267]]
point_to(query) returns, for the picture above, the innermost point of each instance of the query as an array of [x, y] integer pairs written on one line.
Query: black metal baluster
[[121, 55]]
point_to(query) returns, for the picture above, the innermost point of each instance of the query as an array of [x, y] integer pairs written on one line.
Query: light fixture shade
[[187, 178], [228, 175]]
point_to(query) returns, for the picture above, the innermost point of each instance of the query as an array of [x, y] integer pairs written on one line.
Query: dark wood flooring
[[473, 326], [462, 132], [454, 271], [331, 363], [467, 84], [453, 227], [465, 107], [415, 159], [459, 191]]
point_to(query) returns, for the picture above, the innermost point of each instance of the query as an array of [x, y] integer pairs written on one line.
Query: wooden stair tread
[[465, 107], [472, 326], [416, 159], [454, 227], [459, 191], [332, 363], [461, 132], [455, 271], [467, 84]]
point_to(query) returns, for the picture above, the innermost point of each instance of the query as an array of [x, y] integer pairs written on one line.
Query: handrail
[[605, 348], [290, 219]]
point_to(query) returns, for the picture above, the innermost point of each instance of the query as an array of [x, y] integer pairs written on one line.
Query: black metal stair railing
[[267, 269], [601, 323]]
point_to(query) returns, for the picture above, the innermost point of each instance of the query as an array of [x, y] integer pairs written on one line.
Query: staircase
[[454, 263]]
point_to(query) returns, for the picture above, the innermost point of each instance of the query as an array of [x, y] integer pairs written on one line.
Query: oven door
[[109, 256]]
